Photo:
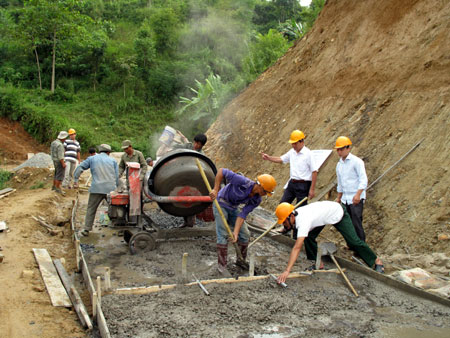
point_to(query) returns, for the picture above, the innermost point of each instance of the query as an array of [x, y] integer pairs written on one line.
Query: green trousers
[[347, 230]]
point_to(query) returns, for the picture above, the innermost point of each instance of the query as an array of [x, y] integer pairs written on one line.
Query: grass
[[4, 178], [38, 185]]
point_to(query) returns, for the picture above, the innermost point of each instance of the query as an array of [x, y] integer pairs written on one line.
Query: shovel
[[329, 248], [240, 259]]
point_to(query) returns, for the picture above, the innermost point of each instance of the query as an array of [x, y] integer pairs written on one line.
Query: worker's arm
[[313, 185], [357, 198], [292, 258], [237, 228], [339, 197], [218, 180], [275, 159]]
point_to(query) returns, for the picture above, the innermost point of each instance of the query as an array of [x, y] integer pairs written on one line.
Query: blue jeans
[[230, 216]]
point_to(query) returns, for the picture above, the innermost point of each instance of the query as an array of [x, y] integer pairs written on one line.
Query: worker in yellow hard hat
[[238, 190], [351, 183], [310, 221], [303, 170]]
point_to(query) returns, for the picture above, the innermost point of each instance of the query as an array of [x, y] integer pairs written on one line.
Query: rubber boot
[[222, 253], [243, 248]]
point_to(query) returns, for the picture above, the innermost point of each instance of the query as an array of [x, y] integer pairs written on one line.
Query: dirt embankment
[[376, 71]]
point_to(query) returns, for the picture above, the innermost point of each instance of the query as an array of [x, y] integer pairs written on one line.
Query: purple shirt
[[237, 192]]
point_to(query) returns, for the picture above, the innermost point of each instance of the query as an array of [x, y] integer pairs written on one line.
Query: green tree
[[51, 22], [165, 26], [263, 52]]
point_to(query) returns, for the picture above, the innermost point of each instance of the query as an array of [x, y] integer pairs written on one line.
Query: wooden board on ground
[[55, 289], [5, 191]]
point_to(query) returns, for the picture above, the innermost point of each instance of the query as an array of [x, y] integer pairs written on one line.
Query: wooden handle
[[224, 220], [274, 225], [343, 275]]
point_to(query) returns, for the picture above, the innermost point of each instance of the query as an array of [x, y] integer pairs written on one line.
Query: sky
[[305, 2]]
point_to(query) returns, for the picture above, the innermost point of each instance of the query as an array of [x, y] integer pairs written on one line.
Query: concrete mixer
[[174, 183]]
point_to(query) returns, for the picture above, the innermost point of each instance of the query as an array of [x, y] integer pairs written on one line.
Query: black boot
[[222, 253]]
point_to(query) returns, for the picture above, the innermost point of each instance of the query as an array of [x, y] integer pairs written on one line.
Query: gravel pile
[[40, 160]]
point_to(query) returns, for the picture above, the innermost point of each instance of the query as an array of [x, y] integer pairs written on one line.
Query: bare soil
[[376, 71]]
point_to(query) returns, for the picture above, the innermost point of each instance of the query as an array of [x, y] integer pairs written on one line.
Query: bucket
[[167, 135]]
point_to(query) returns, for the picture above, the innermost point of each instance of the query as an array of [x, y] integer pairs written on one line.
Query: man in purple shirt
[[238, 190]]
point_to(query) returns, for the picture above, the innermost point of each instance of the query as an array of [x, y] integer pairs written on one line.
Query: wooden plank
[[6, 190], [78, 304], [101, 323], [7, 194], [55, 289]]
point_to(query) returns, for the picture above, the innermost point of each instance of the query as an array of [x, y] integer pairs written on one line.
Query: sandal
[[379, 268], [313, 267]]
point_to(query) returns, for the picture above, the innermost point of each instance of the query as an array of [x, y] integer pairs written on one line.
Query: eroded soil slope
[[378, 72]]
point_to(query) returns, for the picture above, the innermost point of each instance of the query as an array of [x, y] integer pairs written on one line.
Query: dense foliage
[[116, 69]]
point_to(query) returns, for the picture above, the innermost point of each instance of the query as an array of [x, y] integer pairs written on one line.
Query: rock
[[27, 273], [443, 237]]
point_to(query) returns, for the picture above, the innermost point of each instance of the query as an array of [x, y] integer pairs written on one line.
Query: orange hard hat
[[72, 131], [267, 182], [296, 136], [283, 211], [342, 141]]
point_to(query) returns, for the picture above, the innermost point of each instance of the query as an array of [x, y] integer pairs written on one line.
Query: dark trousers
[[346, 229], [93, 203], [356, 211], [298, 191]]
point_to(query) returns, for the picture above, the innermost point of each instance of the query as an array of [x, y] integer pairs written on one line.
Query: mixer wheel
[[141, 242]]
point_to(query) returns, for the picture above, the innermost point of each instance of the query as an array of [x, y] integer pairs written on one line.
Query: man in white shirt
[[303, 171], [310, 221], [351, 183]]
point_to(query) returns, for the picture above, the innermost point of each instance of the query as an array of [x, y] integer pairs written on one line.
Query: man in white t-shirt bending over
[[310, 221]]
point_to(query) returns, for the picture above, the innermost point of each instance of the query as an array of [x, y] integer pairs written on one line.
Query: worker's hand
[[264, 156], [234, 240], [213, 194], [311, 194], [338, 200], [75, 185], [282, 278], [356, 199], [64, 165]]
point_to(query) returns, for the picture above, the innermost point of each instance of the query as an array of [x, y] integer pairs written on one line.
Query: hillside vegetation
[[125, 68], [378, 72]]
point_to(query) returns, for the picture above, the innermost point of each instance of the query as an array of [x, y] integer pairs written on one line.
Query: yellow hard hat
[[72, 131], [342, 141], [296, 136], [283, 211], [267, 182]]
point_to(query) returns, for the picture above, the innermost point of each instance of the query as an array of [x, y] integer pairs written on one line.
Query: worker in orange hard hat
[[238, 190], [303, 171], [351, 183], [310, 221], [72, 151]]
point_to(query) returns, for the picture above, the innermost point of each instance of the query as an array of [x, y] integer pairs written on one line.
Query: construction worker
[[303, 171], [239, 190], [149, 161], [71, 157], [105, 178], [132, 155], [57, 153], [310, 221], [351, 183], [198, 144]]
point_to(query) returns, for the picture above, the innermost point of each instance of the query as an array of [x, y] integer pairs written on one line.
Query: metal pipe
[[176, 199]]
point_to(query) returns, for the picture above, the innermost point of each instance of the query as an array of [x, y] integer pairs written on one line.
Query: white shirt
[[317, 214], [301, 164], [351, 176]]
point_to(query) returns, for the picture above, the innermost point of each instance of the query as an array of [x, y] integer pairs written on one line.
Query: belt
[[298, 181]]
